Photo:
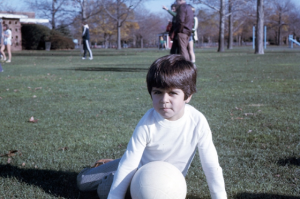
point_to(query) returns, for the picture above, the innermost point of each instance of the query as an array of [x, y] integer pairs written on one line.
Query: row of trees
[[237, 17], [222, 21]]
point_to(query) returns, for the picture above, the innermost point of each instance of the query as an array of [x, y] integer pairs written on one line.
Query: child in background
[[171, 131], [193, 38], [7, 43]]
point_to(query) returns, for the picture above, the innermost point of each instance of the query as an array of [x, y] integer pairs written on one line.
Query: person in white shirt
[[171, 131], [6, 42]]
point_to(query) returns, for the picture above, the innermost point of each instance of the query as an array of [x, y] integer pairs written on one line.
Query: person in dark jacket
[[183, 29], [86, 41]]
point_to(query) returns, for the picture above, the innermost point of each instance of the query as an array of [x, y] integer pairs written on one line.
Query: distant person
[[171, 25], [193, 38], [171, 131], [1, 37], [162, 43], [6, 43], [86, 41], [183, 29]]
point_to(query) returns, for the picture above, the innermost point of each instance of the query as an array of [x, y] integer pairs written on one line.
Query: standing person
[[7, 43], [86, 41], [193, 38], [183, 29], [171, 131], [1, 41], [173, 23]]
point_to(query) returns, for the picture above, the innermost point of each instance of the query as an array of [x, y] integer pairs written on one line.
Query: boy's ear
[[188, 99]]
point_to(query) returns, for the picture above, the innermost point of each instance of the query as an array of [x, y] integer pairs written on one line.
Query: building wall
[[15, 27]]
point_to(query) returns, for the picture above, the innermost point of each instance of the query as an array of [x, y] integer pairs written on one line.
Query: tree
[[259, 47], [221, 11], [230, 25], [55, 10], [149, 25], [122, 9], [280, 18]]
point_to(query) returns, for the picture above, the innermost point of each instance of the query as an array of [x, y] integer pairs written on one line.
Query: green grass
[[252, 103]]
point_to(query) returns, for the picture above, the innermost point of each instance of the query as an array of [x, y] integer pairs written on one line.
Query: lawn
[[87, 110]]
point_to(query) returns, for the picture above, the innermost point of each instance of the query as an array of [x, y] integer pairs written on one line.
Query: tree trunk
[[106, 37], [142, 42], [134, 41], [119, 35], [222, 26], [53, 14], [230, 24], [83, 10], [279, 30], [259, 43]]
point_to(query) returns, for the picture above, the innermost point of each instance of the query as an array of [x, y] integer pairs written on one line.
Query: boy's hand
[[100, 162], [165, 8]]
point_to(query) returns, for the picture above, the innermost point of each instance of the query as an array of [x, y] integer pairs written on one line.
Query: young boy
[[170, 131]]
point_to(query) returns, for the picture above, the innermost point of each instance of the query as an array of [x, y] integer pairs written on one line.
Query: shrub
[[59, 41], [34, 37]]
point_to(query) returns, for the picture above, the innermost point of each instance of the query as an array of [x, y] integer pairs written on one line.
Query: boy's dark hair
[[6, 26], [172, 71]]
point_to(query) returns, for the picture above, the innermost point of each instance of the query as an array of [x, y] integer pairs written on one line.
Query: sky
[[152, 5]]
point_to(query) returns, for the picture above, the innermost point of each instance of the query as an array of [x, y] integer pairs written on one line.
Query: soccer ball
[[158, 180]]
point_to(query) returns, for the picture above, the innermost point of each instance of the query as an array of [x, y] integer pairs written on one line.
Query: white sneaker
[[8, 61], [90, 58], [83, 58]]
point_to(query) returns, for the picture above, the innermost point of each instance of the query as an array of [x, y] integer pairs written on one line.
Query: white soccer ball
[[158, 180]]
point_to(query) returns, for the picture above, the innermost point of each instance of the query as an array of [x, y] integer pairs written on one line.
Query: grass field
[[87, 110]]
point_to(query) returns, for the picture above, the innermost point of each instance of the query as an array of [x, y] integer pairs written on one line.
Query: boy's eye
[[173, 93], [156, 92]]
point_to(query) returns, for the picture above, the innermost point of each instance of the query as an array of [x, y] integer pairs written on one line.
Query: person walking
[[86, 41]]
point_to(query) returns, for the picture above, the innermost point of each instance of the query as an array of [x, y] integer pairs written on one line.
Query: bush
[[59, 41], [34, 37]]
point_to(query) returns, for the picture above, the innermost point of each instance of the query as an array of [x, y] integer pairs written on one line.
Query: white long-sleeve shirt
[[158, 139]]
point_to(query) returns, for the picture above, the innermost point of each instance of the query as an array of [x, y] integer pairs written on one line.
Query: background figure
[[193, 38], [86, 41], [162, 43], [183, 29], [7, 43], [1, 36], [173, 24]]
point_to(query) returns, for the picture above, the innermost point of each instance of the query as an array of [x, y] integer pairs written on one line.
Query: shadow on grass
[[74, 53], [263, 196], [60, 184], [101, 69], [289, 161], [56, 183]]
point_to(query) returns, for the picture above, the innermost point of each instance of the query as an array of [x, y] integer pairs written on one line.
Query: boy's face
[[169, 103]]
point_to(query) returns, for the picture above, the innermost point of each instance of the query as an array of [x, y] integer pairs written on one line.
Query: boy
[[169, 132]]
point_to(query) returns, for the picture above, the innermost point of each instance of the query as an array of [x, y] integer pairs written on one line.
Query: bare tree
[[259, 45], [282, 8], [122, 9], [221, 10], [149, 25], [230, 25], [55, 10]]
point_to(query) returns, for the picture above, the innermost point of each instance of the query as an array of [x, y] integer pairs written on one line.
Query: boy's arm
[[210, 164], [128, 164]]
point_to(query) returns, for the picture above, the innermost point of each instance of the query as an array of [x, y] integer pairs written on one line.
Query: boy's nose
[[165, 97]]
